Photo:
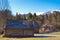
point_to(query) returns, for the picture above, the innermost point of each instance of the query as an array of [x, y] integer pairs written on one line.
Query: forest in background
[[48, 18]]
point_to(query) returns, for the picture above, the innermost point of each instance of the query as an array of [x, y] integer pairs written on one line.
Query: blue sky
[[25, 6]]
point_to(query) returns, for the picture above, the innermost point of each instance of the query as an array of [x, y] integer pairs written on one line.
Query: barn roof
[[35, 24], [20, 24]]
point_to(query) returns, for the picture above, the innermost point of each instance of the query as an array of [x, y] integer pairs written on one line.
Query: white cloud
[[37, 13], [55, 10]]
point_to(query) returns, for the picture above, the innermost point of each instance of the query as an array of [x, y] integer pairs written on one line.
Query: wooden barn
[[36, 27], [20, 28]]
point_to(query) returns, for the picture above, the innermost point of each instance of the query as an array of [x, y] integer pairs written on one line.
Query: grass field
[[48, 38], [55, 33], [54, 38]]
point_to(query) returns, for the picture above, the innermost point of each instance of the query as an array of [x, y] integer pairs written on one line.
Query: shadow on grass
[[30, 36]]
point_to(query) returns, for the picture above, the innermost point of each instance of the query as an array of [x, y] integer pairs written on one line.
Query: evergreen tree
[[29, 17]]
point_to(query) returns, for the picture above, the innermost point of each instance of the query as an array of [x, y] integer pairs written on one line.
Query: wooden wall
[[19, 32]]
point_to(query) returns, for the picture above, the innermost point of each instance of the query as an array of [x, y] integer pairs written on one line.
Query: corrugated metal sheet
[[20, 24]]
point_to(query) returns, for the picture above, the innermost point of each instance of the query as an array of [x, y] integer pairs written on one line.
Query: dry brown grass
[[55, 38]]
